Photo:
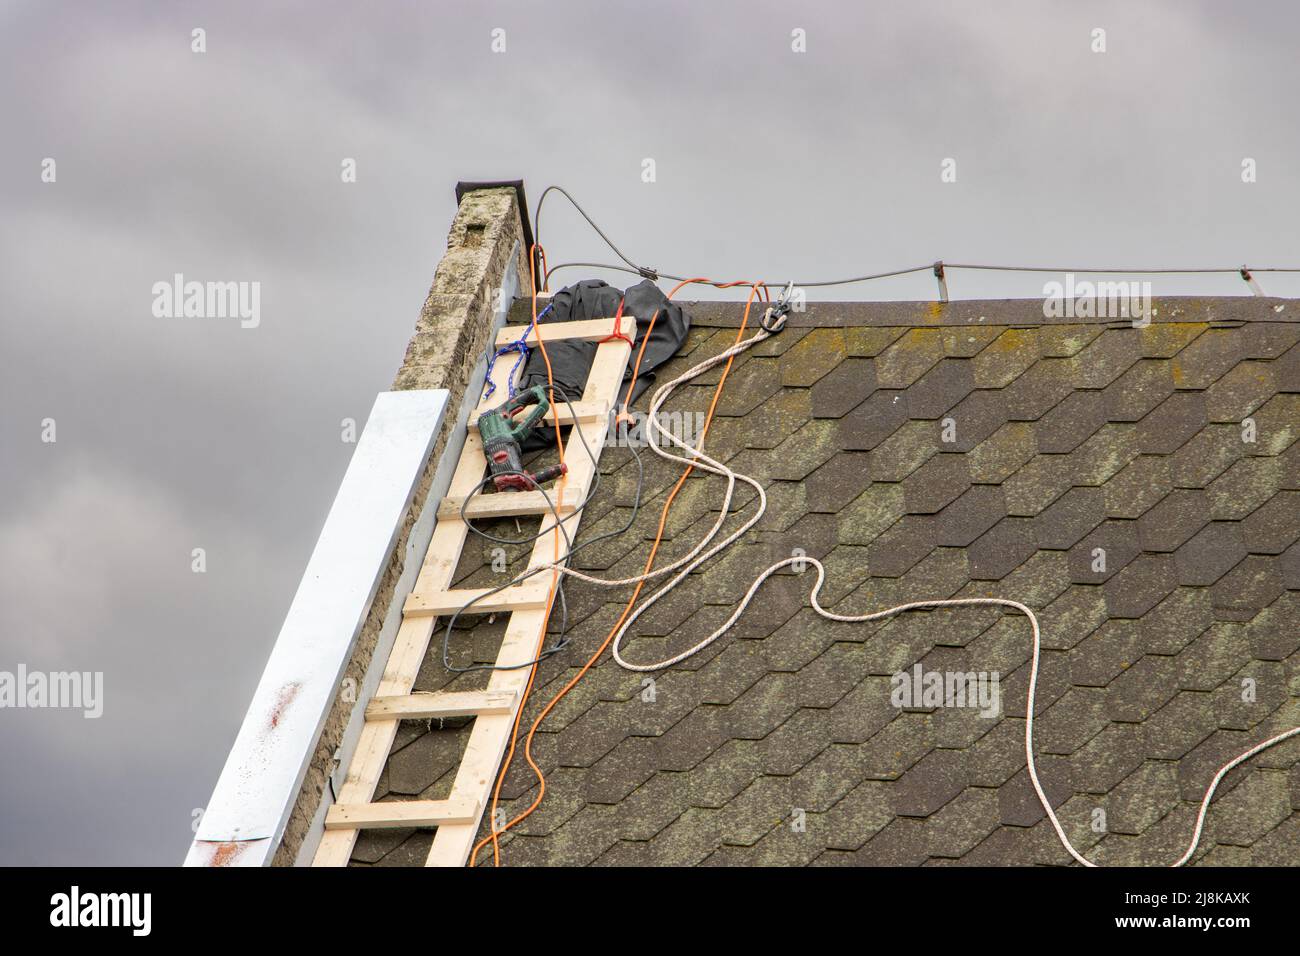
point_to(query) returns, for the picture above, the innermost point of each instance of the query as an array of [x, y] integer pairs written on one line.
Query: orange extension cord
[[533, 252], [494, 836]]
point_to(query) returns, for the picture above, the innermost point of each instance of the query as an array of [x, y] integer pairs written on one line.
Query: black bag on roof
[[571, 360]]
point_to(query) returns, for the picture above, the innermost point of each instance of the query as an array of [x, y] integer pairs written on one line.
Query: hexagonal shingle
[[1135, 393], [1206, 455], [893, 553], [975, 418], [873, 421], [999, 455], [1278, 424], [1037, 484], [1041, 388], [1104, 455], [1207, 358], [1213, 657], [1142, 798], [1173, 520], [838, 481], [869, 341], [969, 516], [816, 354], [904, 451], [1272, 527], [1105, 654], [1199, 766], [966, 820], [901, 843], [1247, 589], [1274, 633], [622, 770], [1167, 339], [412, 769], [1210, 554], [859, 815], [1173, 623], [967, 341], [1071, 423], [749, 386], [878, 507], [1165, 429], [1018, 804], [1251, 810], [1069, 518], [844, 388], [1180, 725], [1104, 551], [1079, 611], [1244, 487], [1001, 549], [1240, 392], [1062, 341], [1005, 358], [804, 451], [909, 358], [939, 389], [1142, 689], [1140, 585], [935, 483], [1286, 370], [1138, 486], [1106, 358], [1109, 757], [930, 783]]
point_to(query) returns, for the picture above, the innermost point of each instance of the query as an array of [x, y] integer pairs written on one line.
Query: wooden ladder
[[494, 709]]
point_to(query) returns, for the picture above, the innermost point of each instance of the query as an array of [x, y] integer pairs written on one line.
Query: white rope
[[698, 555], [698, 459]]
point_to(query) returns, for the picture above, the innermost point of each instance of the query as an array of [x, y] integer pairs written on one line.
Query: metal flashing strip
[[257, 788]]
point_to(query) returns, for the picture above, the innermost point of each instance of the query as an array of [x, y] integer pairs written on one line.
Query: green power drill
[[502, 436]]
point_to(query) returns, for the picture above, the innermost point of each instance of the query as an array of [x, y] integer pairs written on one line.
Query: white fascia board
[[259, 784]]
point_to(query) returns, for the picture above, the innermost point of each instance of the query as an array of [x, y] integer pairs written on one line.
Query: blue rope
[[518, 345]]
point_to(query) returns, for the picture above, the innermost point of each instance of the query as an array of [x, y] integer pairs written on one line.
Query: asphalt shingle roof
[[1181, 652]]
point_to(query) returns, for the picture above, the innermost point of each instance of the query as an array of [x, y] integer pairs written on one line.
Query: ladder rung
[[506, 504], [583, 329], [520, 597], [422, 706], [401, 813], [588, 412]]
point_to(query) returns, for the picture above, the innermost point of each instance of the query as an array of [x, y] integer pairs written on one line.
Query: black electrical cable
[[537, 226], [635, 269], [595, 484], [488, 353], [451, 621], [560, 595], [562, 640], [929, 267]]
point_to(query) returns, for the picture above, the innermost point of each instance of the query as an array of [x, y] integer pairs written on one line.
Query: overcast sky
[[175, 434]]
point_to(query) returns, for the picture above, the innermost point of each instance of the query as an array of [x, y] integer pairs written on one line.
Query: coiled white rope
[[698, 555]]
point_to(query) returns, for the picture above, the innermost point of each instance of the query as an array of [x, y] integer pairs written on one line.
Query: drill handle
[[524, 426], [549, 473]]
